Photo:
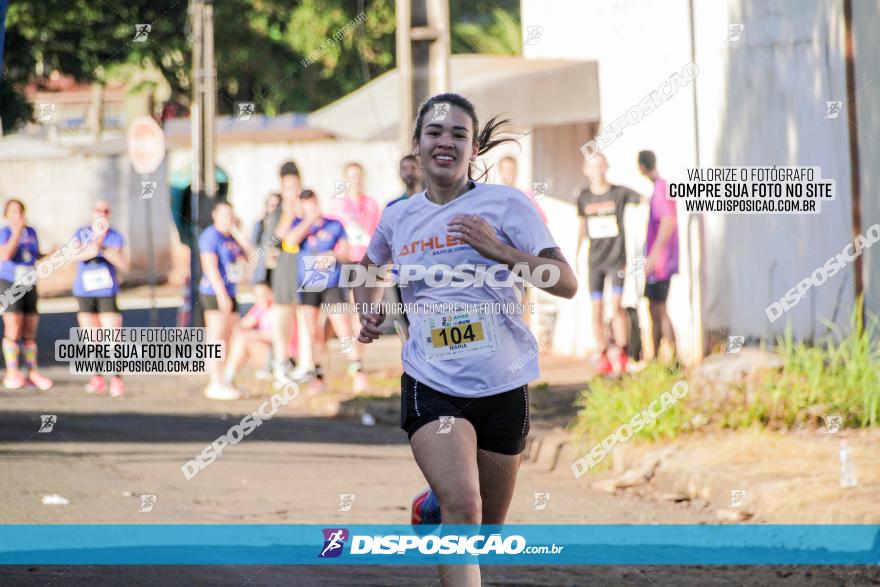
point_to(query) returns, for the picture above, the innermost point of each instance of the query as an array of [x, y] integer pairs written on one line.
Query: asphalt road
[[104, 453]]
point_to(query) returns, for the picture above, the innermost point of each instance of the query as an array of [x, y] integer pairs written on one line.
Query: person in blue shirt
[[223, 252], [323, 246], [411, 176], [19, 252], [97, 284]]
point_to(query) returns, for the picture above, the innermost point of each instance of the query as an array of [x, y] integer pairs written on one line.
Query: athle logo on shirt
[[606, 207], [437, 244]]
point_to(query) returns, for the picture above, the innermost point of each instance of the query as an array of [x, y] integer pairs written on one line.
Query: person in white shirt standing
[[459, 366]]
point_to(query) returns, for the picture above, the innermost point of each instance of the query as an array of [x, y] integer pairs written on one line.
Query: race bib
[[461, 335], [357, 236], [604, 226], [235, 272], [97, 278]]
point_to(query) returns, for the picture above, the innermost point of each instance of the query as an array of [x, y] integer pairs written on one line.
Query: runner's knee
[[462, 508]]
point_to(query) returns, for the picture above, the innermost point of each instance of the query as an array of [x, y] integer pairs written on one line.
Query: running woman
[[19, 251], [324, 241], [457, 371], [97, 284], [359, 214], [222, 256], [661, 250], [600, 207]]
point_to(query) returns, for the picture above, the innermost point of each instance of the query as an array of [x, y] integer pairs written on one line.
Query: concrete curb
[[767, 499]]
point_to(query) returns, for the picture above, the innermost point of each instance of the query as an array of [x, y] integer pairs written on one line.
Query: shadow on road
[[165, 428]]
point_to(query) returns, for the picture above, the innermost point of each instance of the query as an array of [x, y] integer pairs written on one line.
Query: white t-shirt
[[415, 232]]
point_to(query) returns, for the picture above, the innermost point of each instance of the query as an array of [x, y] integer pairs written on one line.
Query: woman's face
[[223, 218], [15, 213], [101, 210], [446, 144]]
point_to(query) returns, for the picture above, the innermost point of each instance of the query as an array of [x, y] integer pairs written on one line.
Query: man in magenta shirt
[[661, 250]]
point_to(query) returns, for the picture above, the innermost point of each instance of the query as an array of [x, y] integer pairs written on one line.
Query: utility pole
[[204, 183], [423, 48]]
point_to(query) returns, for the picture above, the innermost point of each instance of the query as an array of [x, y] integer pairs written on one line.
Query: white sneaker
[[282, 373], [219, 391], [302, 375]]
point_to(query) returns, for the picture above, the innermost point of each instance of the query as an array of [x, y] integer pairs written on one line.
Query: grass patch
[[608, 403], [839, 377]]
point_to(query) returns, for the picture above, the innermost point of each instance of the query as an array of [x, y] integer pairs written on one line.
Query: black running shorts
[[501, 420], [97, 305]]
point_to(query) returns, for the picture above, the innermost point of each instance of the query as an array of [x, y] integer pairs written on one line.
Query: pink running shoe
[[117, 387], [14, 380], [42, 382], [97, 384]]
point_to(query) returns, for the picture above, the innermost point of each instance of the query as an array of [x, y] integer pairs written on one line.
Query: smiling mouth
[[444, 158]]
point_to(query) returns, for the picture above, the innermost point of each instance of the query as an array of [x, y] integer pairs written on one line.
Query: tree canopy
[[262, 47]]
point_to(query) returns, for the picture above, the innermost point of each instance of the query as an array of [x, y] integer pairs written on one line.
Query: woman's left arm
[[479, 234]]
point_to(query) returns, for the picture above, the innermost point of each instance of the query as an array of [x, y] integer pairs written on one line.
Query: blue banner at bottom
[[404, 544]]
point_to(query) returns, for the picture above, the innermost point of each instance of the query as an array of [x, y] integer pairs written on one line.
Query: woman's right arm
[[372, 315]]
